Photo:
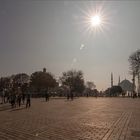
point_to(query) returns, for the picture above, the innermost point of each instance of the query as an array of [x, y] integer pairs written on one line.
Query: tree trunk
[[138, 83], [134, 83]]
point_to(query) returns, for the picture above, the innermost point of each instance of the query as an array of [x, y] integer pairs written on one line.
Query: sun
[[95, 20]]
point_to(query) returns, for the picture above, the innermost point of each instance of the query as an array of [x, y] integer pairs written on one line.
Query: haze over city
[[56, 35], [69, 70]]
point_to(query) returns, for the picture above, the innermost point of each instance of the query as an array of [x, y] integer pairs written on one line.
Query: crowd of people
[[16, 97]]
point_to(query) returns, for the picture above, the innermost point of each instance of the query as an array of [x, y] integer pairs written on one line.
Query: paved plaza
[[80, 119]]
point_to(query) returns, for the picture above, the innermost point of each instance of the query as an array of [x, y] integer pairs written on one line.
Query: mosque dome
[[126, 85]]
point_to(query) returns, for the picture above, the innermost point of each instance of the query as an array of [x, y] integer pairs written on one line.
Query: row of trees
[[40, 81], [71, 80]]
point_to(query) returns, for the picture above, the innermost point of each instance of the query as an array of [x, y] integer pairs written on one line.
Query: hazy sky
[[53, 34]]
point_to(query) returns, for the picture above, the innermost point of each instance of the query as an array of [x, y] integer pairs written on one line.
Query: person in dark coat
[[28, 100], [13, 100], [23, 98], [19, 100], [46, 95], [71, 94], [19, 93]]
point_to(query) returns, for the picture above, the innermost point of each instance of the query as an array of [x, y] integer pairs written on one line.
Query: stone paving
[[80, 119]]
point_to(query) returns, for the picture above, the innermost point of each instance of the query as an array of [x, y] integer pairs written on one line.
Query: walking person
[[3, 96], [19, 100], [19, 96], [13, 100], [68, 92], [28, 101], [46, 95], [71, 94], [23, 98]]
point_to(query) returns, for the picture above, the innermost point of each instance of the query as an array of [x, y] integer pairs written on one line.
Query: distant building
[[44, 70], [126, 86]]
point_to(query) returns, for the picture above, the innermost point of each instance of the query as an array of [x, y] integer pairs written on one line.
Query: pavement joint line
[[121, 129], [118, 129], [109, 132], [123, 133]]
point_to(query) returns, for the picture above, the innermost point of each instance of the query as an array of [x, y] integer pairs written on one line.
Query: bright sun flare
[[95, 20]]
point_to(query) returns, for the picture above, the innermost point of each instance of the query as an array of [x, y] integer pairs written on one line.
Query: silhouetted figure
[[46, 95], [3, 96], [13, 100], [134, 94], [23, 98], [28, 100], [19, 100], [19, 96], [71, 95], [123, 94]]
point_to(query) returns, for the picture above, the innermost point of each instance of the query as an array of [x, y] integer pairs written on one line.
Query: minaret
[[119, 81], [111, 79]]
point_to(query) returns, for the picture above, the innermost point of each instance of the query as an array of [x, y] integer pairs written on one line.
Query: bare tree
[[74, 79], [134, 60]]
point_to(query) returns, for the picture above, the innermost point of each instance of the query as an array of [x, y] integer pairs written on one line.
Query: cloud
[[82, 46]]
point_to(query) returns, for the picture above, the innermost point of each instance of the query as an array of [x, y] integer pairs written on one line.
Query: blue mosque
[[126, 85]]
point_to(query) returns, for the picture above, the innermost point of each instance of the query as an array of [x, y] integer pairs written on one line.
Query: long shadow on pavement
[[18, 109], [5, 107]]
